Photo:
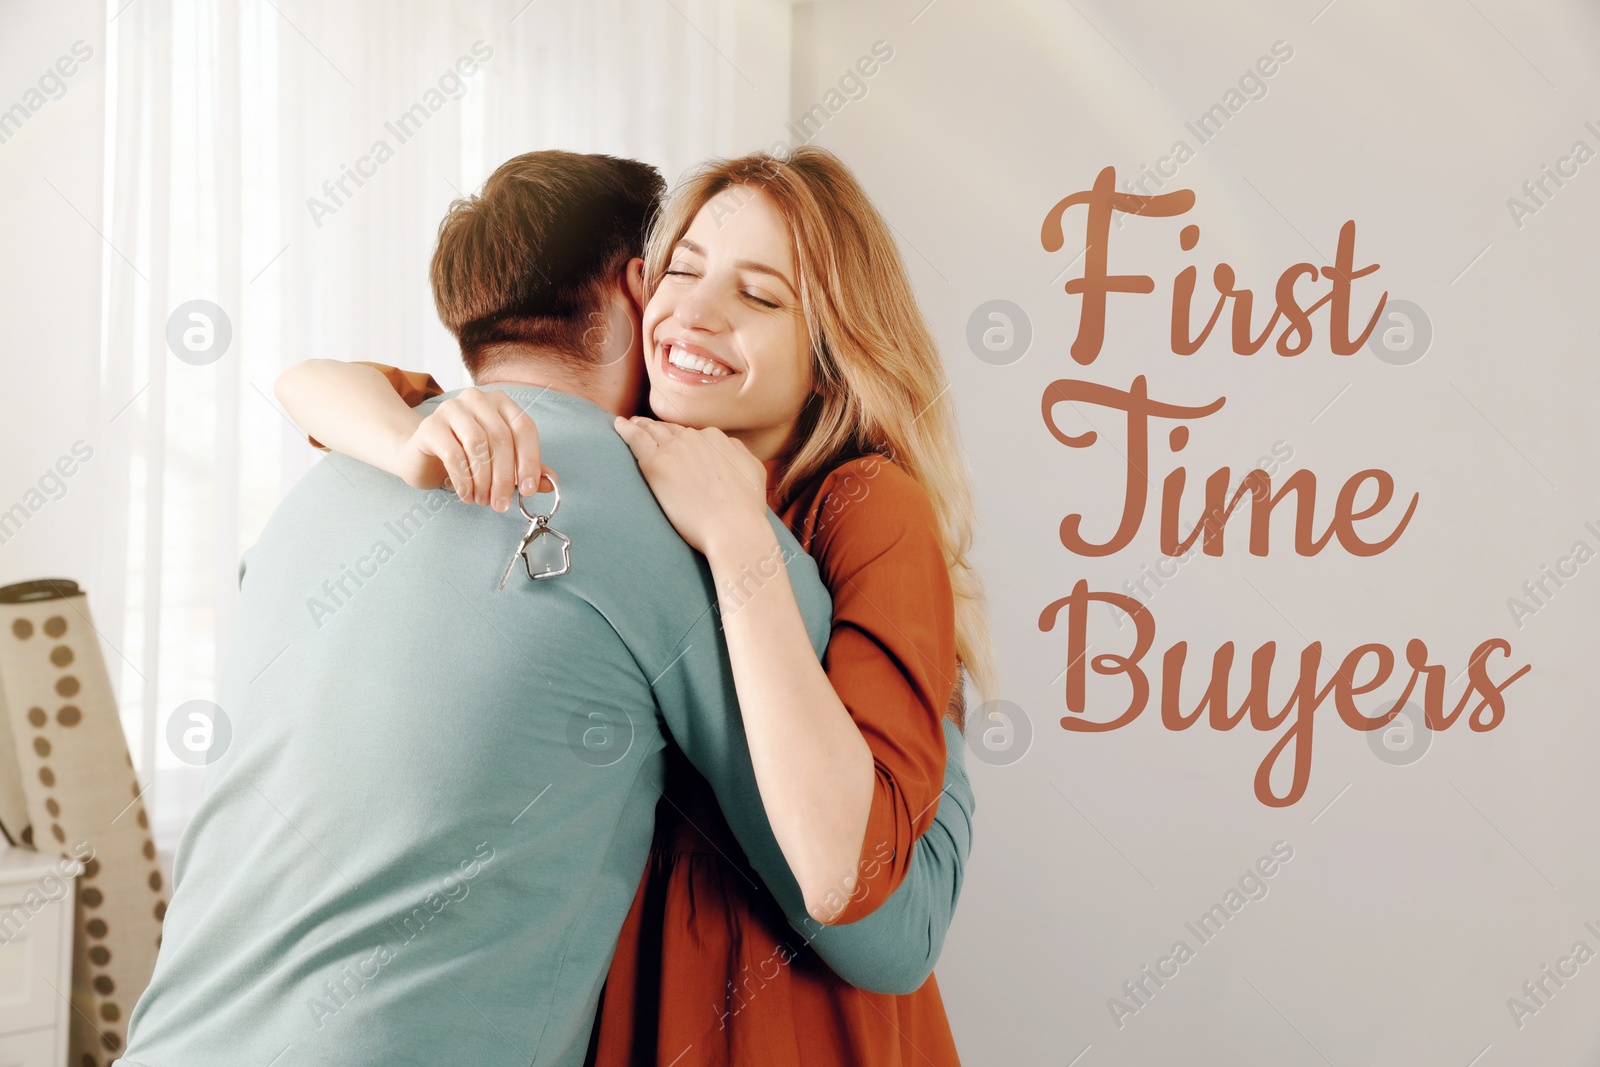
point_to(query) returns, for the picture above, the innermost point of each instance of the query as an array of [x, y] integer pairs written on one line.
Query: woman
[[789, 365]]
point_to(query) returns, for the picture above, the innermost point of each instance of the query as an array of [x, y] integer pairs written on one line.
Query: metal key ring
[[547, 516]]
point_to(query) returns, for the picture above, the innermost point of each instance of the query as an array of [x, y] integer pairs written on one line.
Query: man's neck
[[601, 386]]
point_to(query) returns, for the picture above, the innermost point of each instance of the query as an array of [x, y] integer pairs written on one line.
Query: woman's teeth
[[698, 364]]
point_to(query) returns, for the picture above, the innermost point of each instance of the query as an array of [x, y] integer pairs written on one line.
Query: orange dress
[[707, 970]]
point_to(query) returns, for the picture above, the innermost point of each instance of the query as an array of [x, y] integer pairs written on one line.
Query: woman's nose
[[701, 309]]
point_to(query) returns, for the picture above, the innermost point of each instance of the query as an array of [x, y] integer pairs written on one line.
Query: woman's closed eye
[[752, 295]]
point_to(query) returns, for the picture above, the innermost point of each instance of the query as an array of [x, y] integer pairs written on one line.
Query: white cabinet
[[36, 902], [36, 1048]]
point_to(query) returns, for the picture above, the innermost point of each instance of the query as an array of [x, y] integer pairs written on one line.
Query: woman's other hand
[[710, 486]]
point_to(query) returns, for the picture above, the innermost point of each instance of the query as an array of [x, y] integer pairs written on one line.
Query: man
[[439, 797]]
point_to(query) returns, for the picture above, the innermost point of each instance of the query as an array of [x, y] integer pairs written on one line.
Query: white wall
[[51, 181], [1427, 893]]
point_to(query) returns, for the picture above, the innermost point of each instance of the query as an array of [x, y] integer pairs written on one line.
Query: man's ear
[[633, 276]]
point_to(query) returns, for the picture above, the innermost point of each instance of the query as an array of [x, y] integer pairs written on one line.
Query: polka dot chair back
[[82, 801]]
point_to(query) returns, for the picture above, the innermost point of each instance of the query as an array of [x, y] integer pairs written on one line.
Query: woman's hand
[[710, 486], [484, 443]]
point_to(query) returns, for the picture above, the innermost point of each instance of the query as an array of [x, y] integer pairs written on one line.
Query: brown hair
[[528, 259], [880, 384]]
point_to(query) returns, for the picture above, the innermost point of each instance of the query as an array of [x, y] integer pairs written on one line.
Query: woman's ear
[[635, 283]]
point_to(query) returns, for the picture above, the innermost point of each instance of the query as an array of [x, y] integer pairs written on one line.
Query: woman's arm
[[355, 409], [894, 949], [480, 440], [844, 811], [815, 769]]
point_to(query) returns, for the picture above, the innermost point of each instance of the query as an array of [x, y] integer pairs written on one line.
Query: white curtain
[[233, 130]]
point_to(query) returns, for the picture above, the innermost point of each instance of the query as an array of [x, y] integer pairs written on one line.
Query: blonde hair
[[880, 383]]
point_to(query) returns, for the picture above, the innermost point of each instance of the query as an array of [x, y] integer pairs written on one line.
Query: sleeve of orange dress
[[414, 386], [892, 654]]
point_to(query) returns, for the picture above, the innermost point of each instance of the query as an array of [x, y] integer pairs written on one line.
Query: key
[[538, 526]]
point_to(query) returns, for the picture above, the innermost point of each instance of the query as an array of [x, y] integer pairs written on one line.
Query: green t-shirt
[[438, 799]]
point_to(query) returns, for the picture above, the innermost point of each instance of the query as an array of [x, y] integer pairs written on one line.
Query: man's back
[[438, 799]]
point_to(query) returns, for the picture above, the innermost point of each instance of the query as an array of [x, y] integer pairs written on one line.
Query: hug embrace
[[694, 798]]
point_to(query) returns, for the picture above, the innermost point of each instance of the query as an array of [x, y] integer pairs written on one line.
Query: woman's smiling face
[[726, 343]]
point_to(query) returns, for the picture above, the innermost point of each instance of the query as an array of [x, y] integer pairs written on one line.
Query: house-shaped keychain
[[552, 547]]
